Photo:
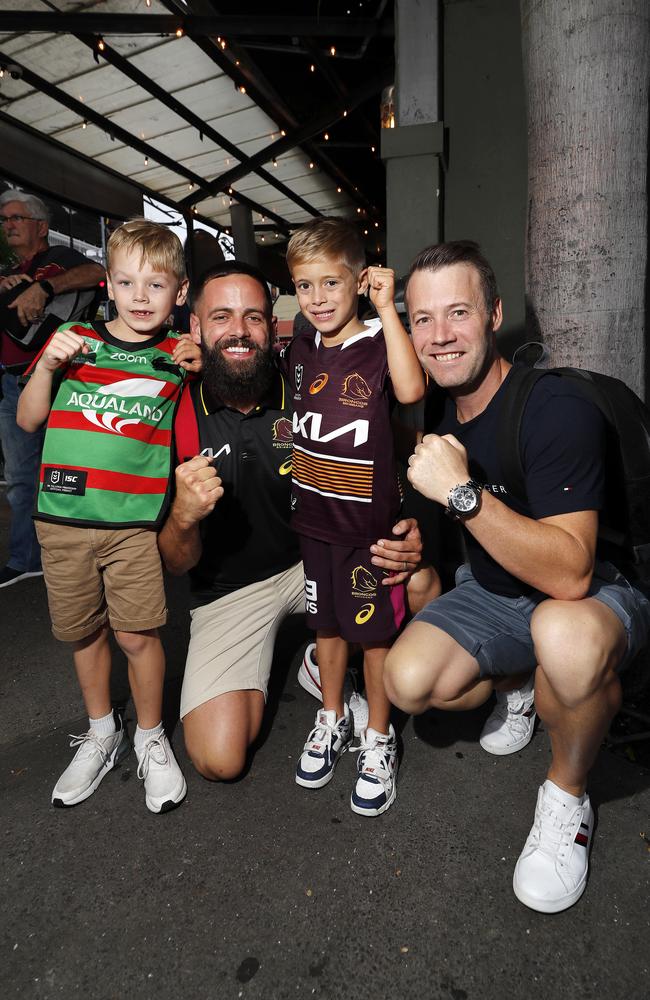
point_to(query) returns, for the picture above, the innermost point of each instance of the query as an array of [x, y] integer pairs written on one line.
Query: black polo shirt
[[247, 537]]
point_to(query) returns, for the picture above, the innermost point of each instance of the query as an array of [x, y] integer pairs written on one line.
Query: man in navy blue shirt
[[534, 615]]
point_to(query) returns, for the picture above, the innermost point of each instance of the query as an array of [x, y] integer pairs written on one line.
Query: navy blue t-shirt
[[563, 456]]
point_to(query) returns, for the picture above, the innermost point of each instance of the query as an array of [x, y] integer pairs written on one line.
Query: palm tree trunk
[[586, 66]]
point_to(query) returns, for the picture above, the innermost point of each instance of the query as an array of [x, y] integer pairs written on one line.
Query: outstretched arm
[[403, 365], [197, 490]]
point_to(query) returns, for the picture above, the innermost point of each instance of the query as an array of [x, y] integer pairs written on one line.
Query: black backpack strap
[[515, 395]]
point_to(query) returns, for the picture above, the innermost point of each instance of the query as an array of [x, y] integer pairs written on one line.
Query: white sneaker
[[551, 873], [329, 738], [96, 756], [376, 788], [510, 726], [309, 679], [164, 784]]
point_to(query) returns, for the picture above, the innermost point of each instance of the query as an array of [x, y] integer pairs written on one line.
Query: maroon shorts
[[344, 593]]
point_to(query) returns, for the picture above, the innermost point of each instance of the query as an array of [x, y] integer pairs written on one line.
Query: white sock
[[142, 735], [104, 726], [566, 798]]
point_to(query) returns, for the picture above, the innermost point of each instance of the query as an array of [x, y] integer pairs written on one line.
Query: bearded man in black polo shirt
[[229, 522]]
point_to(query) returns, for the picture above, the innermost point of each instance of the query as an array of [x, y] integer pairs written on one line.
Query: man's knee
[[214, 762], [415, 681], [578, 645], [133, 644]]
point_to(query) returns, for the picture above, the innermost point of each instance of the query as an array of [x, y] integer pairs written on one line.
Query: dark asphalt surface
[[261, 889]]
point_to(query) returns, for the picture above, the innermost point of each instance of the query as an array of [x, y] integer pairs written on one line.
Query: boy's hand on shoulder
[[381, 287], [61, 349], [187, 354], [198, 487]]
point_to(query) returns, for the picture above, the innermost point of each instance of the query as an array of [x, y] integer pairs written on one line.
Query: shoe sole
[[361, 811], [549, 905], [114, 761], [167, 804], [23, 576], [514, 747]]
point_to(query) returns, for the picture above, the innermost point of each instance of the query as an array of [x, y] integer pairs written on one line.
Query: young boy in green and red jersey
[[108, 392]]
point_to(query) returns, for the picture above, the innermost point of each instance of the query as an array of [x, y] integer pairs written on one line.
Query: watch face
[[463, 499]]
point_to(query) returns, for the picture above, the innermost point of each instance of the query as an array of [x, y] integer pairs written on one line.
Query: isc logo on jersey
[[115, 407]]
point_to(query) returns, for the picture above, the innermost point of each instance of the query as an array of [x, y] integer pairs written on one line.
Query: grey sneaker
[[96, 756]]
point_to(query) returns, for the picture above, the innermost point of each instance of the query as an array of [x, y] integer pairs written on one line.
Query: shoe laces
[[89, 743], [513, 712], [154, 749], [553, 835], [375, 759]]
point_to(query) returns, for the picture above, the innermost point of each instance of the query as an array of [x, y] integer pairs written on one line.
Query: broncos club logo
[[356, 387], [364, 584], [282, 431]]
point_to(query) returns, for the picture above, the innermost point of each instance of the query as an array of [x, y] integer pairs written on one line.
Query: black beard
[[238, 383]]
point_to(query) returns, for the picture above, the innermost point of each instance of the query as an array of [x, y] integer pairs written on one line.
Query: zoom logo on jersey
[[119, 401], [309, 427], [364, 584], [311, 597], [133, 359]]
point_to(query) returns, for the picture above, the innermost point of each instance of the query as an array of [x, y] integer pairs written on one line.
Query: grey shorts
[[232, 638], [495, 630]]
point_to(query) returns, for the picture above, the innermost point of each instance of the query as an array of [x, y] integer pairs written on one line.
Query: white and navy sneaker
[[329, 738], [164, 784], [96, 756], [511, 725], [309, 679], [551, 873], [376, 788]]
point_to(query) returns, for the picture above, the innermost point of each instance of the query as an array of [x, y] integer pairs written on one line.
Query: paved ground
[[260, 889]]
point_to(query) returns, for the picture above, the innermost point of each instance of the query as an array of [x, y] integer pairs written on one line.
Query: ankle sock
[[142, 735], [104, 726]]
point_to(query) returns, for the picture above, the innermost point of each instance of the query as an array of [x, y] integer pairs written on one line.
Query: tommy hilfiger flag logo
[[582, 836]]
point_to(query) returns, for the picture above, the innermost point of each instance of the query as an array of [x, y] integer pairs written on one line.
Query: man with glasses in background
[[41, 275]]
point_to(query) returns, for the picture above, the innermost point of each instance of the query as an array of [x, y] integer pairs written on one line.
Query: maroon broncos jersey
[[345, 488]]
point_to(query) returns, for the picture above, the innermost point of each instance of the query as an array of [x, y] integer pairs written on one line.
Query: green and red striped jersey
[[107, 457]]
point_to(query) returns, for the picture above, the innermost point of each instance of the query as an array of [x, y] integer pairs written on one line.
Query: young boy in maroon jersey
[[108, 392], [344, 374]]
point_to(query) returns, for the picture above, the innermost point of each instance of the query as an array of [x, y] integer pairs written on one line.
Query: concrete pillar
[[412, 151], [243, 233]]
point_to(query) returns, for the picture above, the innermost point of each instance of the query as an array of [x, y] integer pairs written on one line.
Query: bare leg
[[332, 658], [219, 733], [92, 660], [426, 668], [579, 644], [379, 706], [146, 659], [422, 588]]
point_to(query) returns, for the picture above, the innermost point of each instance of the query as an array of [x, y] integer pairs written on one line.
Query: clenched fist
[[437, 465]]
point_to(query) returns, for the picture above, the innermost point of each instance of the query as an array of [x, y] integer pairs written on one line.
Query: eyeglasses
[[4, 219]]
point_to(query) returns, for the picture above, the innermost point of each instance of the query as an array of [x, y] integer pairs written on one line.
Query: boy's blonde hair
[[327, 238], [161, 248]]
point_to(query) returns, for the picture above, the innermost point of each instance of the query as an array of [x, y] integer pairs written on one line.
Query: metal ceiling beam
[[127, 138], [167, 24], [183, 112], [317, 124]]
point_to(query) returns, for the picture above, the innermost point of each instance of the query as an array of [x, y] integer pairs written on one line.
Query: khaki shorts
[[232, 639], [95, 575]]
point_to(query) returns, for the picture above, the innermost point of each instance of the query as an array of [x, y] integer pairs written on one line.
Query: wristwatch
[[464, 500], [47, 288]]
